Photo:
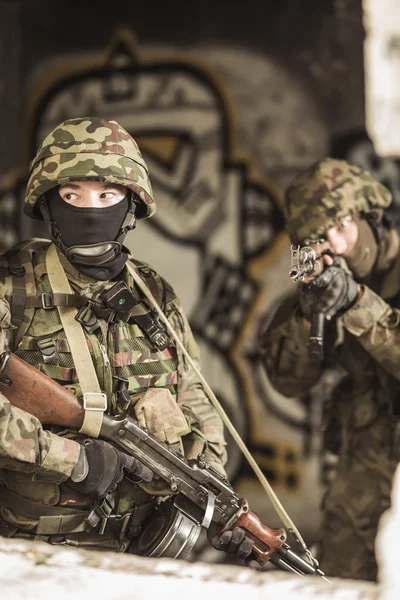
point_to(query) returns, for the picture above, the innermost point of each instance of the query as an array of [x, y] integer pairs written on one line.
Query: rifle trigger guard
[[208, 515]]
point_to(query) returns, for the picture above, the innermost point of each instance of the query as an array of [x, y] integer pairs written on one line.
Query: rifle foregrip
[[266, 540]]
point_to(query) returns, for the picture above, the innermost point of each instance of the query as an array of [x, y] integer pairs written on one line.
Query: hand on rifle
[[234, 542], [101, 467], [330, 293]]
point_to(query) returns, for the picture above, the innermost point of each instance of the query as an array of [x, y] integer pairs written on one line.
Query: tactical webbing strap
[[17, 263], [32, 343], [33, 510], [152, 281], [48, 301], [52, 519], [59, 519], [17, 302], [62, 524], [47, 348], [94, 400]]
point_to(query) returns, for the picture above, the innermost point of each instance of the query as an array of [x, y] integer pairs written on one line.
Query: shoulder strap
[[17, 270], [160, 289], [94, 400]]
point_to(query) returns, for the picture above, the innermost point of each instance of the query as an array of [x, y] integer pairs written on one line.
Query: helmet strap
[[55, 233], [129, 222]]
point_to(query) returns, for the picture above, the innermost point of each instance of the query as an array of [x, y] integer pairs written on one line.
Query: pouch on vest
[[159, 413], [20, 282]]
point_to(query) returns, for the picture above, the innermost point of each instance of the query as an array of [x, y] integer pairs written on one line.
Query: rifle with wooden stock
[[201, 497]]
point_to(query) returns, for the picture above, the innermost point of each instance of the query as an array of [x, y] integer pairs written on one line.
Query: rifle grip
[[266, 540]]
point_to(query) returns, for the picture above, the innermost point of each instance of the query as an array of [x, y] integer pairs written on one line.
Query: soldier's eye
[[69, 196], [344, 223], [314, 241]]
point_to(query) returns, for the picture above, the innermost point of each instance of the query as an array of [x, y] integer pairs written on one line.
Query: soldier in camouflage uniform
[[89, 182], [342, 206]]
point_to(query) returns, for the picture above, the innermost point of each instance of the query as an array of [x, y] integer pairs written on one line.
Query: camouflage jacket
[[34, 460], [364, 343]]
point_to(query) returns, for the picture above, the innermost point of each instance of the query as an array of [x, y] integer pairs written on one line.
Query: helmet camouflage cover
[[89, 149], [326, 193]]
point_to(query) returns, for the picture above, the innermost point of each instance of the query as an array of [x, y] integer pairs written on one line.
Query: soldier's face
[[341, 238], [92, 194]]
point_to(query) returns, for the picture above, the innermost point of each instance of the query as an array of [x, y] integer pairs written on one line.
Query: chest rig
[[131, 350], [131, 353]]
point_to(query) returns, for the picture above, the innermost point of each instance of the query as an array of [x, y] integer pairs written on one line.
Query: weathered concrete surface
[[40, 571]]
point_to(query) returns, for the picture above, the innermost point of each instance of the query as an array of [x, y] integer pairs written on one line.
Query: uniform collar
[[87, 286]]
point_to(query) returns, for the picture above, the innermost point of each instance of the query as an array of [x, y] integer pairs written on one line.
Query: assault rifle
[[305, 263], [200, 496]]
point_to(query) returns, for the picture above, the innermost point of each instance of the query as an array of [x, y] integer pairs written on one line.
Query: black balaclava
[[85, 235]]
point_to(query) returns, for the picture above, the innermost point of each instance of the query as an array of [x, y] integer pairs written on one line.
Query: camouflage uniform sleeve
[[24, 445], [191, 394], [283, 347], [376, 325]]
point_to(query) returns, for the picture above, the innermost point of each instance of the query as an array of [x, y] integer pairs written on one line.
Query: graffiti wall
[[217, 233], [223, 127]]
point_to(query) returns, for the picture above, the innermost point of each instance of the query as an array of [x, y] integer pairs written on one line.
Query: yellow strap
[[287, 521], [94, 401]]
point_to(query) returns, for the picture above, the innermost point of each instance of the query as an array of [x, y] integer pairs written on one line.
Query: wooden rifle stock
[[32, 391]]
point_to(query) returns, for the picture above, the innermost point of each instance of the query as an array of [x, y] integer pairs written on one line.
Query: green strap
[[52, 519], [33, 510], [31, 343], [59, 519], [18, 297], [72, 524], [50, 525], [23, 251], [94, 401]]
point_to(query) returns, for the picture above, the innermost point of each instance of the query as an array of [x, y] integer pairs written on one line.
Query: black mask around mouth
[[90, 238]]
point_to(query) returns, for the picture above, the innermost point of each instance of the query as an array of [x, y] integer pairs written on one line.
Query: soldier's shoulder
[[155, 281], [27, 247], [17, 260]]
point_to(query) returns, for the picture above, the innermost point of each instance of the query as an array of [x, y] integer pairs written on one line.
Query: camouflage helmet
[[89, 149], [326, 193]]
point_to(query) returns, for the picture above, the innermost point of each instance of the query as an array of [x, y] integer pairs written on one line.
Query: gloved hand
[[101, 467], [233, 542], [331, 292]]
